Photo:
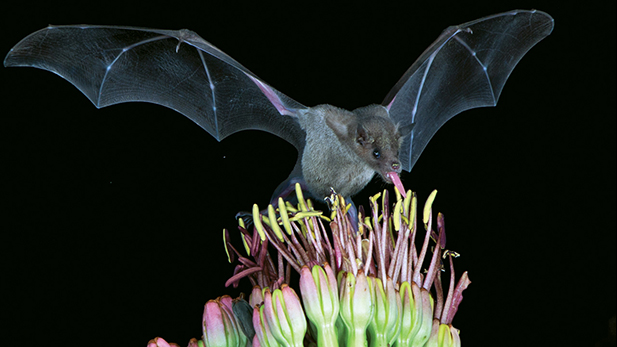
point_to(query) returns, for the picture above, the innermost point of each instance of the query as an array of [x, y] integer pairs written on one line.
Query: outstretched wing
[[176, 69], [465, 68]]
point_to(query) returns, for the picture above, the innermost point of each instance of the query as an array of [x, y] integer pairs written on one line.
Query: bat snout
[[396, 166]]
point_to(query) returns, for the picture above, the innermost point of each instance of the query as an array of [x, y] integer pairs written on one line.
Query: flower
[[321, 302], [386, 323], [356, 307], [284, 315], [374, 280], [417, 315], [220, 326], [263, 335], [160, 342]]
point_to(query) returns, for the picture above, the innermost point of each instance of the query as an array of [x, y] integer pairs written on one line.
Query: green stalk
[[327, 336], [356, 338]]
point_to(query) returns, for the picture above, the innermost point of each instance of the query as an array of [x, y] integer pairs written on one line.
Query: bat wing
[[176, 69], [465, 68]]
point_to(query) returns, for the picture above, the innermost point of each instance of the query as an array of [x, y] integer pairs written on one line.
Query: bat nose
[[396, 166]]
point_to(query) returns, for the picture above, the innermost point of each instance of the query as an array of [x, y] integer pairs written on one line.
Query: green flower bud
[[356, 307], [320, 297], [220, 327], [385, 325], [284, 315]]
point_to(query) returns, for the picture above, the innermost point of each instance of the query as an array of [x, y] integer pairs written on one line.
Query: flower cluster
[[365, 283]]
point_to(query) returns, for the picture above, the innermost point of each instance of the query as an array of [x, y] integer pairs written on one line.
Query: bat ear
[[362, 136], [344, 125]]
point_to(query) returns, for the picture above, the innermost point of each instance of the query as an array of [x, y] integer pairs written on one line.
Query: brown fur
[[341, 146]]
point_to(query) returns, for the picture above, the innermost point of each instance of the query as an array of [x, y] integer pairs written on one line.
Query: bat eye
[[376, 154]]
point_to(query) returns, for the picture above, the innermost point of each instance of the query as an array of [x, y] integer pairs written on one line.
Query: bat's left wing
[[176, 69], [465, 68]]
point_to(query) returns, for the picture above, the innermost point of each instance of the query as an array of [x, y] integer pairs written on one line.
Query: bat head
[[373, 141], [378, 141]]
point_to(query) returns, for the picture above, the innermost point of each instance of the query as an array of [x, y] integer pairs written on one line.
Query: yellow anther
[[428, 205], [397, 215], [300, 196], [347, 208], [326, 218], [307, 214], [291, 208], [225, 245], [257, 222], [367, 220], [413, 210], [246, 245], [405, 220], [274, 224], [375, 197], [406, 202], [397, 193], [284, 216]]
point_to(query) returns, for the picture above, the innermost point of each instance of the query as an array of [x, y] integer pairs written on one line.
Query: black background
[[112, 218]]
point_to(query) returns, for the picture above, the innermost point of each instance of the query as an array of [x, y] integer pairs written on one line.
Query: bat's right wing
[[176, 69], [465, 68]]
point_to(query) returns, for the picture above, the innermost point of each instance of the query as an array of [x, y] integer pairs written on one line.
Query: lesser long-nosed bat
[[466, 67]]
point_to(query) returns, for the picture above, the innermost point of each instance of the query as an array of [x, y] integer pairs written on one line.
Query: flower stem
[[356, 338], [327, 336]]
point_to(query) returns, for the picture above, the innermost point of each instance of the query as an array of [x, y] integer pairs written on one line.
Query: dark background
[[112, 218]]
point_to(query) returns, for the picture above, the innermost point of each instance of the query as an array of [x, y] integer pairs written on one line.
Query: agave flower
[[374, 281]]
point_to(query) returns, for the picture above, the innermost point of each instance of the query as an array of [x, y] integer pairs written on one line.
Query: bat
[[466, 67]]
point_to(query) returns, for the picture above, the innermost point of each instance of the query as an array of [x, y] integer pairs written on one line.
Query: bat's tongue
[[393, 176]]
